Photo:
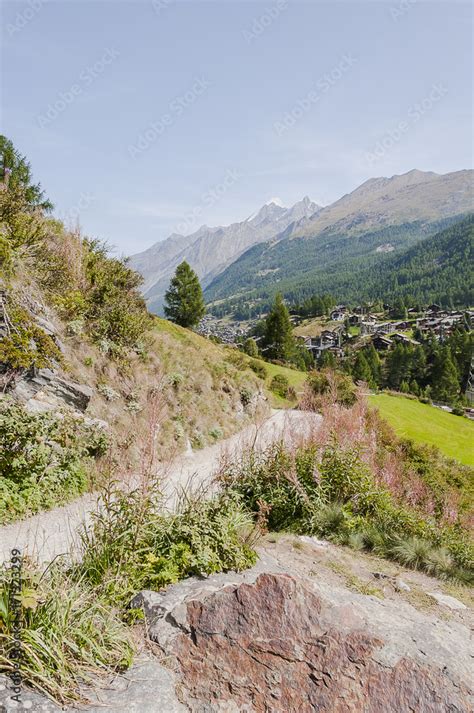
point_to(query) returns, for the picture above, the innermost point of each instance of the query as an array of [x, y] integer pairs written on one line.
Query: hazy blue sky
[[148, 117]]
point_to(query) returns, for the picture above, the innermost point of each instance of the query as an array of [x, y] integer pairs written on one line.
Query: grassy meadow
[[453, 435]]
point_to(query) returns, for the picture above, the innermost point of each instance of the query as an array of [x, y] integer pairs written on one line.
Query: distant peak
[[276, 201]]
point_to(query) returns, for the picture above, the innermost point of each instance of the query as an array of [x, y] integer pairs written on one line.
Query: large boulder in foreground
[[276, 644]]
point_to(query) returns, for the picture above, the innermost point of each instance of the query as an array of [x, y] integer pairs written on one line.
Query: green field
[[453, 435]]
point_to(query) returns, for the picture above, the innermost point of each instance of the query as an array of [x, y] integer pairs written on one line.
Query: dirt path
[[54, 532]]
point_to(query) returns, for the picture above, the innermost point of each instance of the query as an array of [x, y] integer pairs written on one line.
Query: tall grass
[[70, 639]]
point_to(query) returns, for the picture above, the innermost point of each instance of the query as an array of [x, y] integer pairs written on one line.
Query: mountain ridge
[[211, 249]]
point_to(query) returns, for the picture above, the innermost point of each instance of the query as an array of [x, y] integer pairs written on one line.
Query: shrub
[[43, 459], [279, 385], [250, 347], [325, 385], [330, 490], [216, 433], [132, 547], [26, 345], [246, 395], [258, 368]]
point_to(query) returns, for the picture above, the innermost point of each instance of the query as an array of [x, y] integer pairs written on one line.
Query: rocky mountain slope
[[210, 250], [416, 195], [381, 216]]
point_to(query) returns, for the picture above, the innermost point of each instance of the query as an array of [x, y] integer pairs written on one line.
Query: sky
[[150, 117]]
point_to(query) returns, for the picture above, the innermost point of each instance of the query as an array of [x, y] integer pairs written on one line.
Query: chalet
[[381, 343], [353, 319], [337, 315], [327, 340], [403, 339]]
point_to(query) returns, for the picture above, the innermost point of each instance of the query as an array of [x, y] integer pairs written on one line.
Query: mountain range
[[210, 251], [307, 249]]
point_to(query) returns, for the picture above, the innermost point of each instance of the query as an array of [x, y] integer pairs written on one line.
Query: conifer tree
[[184, 299], [445, 383], [278, 335], [361, 369]]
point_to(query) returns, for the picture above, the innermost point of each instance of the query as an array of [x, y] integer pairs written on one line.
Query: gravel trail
[[55, 532]]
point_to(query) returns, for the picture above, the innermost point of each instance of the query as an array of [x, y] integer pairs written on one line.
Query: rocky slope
[[183, 386], [210, 250], [311, 627]]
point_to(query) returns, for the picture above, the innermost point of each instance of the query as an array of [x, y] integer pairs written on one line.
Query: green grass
[[453, 435]]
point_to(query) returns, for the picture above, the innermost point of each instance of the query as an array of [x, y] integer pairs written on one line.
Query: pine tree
[[361, 369], [184, 299], [278, 335], [373, 360], [445, 379]]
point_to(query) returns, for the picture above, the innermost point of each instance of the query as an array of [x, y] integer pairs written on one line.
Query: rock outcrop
[[277, 644], [45, 390]]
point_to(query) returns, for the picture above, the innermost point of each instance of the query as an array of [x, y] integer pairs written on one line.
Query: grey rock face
[[148, 687], [44, 390]]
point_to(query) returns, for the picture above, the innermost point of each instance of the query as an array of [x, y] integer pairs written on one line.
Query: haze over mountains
[[295, 249], [210, 250]]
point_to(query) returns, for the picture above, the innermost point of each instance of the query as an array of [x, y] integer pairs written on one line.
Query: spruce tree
[[361, 369], [374, 363], [278, 335], [445, 384], [184, 299]]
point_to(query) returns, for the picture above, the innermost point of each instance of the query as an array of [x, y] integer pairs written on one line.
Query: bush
[[43, 459], [280, 385], [131, 547], [328, 384], [250, 347], [333, 493], [258, 368], [26, 345]]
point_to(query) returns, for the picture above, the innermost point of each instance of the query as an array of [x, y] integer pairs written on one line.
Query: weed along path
[[55, 532]]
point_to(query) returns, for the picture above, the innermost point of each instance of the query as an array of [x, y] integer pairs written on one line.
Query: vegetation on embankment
[[353, 482], [356, 483], [423, 423], [74, 618], [45, 459], [153, 382]]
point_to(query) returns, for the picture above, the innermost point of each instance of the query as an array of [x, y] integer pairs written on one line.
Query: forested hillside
[[394, 261]]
